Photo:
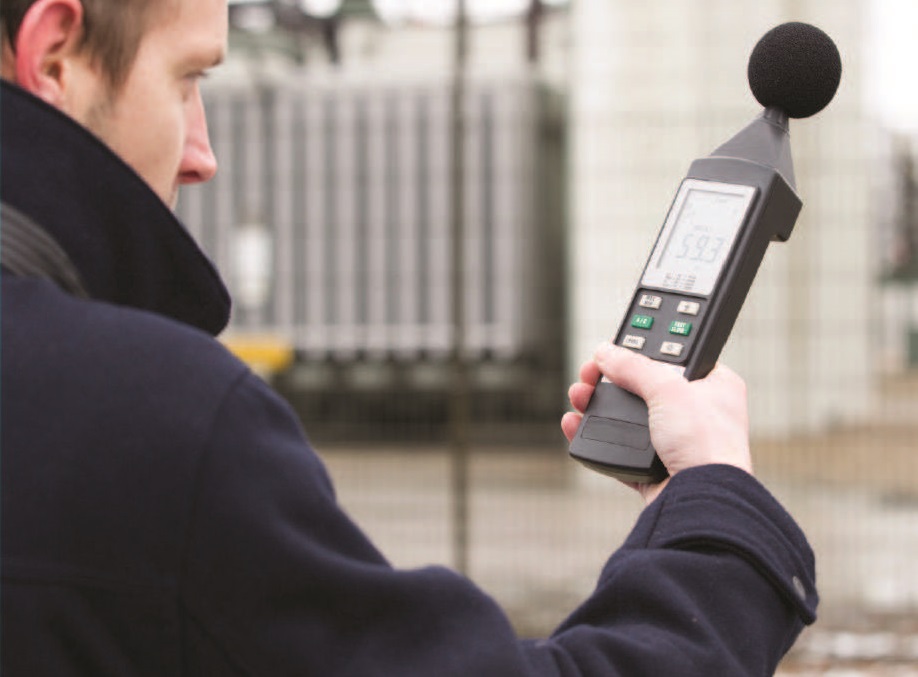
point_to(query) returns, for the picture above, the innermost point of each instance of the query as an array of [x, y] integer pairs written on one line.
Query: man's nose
[[198, 161]]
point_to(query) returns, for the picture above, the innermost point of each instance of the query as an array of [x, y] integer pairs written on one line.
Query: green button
[[680, 328], [642, 321]]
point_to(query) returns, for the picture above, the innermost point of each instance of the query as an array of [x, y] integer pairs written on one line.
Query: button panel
[[663, 324]]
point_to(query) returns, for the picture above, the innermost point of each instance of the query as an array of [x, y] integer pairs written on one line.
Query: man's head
[[111, 30], [128, 70]]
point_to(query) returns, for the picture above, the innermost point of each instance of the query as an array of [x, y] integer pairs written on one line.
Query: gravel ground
[[858, 645]]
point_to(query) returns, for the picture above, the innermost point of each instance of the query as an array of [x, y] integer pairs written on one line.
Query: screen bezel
[[654, 277]]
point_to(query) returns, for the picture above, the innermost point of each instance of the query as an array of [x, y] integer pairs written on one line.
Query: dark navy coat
[[163, 514]]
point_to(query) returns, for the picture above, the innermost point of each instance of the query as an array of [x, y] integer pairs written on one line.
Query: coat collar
[[126, 243]]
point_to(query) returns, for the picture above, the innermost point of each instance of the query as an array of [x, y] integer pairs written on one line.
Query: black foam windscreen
[[795, 67]]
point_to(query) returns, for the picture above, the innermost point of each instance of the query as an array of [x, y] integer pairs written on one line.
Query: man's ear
[[49, 37]]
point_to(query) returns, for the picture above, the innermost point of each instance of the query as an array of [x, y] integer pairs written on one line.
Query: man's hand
[[691, 423]]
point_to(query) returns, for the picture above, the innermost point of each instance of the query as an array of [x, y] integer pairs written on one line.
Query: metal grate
[[351, 184]]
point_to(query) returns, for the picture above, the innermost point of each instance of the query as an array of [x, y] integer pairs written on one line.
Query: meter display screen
[[697, 237]]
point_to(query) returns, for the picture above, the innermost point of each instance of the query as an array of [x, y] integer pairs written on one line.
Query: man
[[162, 513]]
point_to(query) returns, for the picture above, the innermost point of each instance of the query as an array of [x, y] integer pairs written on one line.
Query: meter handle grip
[[614, 435]]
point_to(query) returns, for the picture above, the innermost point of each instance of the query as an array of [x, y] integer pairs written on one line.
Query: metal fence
[[342, 190]]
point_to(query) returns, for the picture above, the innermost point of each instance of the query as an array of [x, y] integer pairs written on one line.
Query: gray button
[[671, 348], [688, 307], [632, 341]]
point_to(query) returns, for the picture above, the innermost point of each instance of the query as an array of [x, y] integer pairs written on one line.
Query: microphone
[[796, 68], [794, 71], [727, 210]]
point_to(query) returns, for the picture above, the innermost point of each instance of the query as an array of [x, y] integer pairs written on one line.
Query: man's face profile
[[155, 119]]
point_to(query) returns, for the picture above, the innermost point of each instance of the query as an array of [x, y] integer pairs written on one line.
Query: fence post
[[459, 392]]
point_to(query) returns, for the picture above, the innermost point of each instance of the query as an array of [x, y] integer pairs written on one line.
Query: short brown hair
[[112, 31]]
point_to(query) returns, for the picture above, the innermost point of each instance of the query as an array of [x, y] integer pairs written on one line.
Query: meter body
[[727, 210]]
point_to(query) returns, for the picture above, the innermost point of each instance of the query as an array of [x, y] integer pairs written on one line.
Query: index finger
[[589, 372], [634, 372]]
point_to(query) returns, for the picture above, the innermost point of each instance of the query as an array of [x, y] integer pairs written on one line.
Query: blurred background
[[430, 212]]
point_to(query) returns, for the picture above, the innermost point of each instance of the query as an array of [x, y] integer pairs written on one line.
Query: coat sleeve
[[276, 579]]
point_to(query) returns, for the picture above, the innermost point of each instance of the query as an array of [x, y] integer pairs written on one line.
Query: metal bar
[[459, 409]]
